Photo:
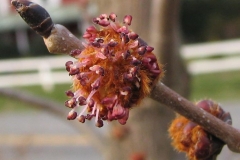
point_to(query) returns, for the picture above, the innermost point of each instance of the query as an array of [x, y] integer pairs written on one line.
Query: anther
[[74, 70], [82, 101], [136, 62], [68, 65], [99, 40], [91, 103], [112, 17], [72, 115], [69, 93], [99, 123], [87, 35], [75, 52], [112, 43], [123, 29], [104, 23], [125, 90], [103, 16], [126, 54], [98, 69], [142, 50], [125, 38], [91, 29], [149, 49], [132, 35], [71, 103], [96, 44], [127, 19], [96, 84], [81, 118]]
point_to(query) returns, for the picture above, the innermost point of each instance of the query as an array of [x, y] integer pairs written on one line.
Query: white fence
[[47, 71], [200, 54]]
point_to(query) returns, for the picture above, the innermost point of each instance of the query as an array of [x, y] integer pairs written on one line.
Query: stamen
[[91, 94], [127, 19], [94, 108], [96, 84], [112, 17], [97, 115], [72, 115]]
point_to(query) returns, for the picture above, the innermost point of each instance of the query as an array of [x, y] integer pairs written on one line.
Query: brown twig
[[213, 125]]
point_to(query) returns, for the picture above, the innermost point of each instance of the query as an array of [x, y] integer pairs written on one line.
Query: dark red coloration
[[189, 137], [35, 16]]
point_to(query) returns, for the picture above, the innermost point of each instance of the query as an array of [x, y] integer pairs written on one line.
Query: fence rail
[[47, 71]]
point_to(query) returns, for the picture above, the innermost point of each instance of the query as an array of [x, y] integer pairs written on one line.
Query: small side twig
[[54, 108], [213, 125]]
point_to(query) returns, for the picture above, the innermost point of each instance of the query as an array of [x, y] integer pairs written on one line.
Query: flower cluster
[[114, 71], [189, 137]]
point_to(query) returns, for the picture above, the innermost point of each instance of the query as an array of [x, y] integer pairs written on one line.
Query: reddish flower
[[115, 71], [189, 137]]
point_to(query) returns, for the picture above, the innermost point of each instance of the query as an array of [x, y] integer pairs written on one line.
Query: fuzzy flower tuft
[[190, 138], [114, 71]]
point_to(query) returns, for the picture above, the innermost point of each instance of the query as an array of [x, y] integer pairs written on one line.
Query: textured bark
[[165, 37], [145, 135]]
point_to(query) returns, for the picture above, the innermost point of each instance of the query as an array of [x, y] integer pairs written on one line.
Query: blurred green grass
[[58, 94], [223, 86], [218, 86]]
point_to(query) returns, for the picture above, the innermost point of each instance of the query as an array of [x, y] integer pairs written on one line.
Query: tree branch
[[57, 43], [57, 109], [213, 125]]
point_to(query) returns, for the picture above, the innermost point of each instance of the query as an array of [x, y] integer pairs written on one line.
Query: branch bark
[[213, 125]]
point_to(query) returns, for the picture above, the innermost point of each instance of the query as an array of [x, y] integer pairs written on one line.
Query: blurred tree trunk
[[145, 134]]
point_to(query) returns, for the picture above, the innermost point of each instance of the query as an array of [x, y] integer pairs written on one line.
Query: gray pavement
[[38, 135], [41, 136]]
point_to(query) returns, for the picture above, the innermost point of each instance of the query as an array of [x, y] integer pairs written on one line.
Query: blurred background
[[196, 40]]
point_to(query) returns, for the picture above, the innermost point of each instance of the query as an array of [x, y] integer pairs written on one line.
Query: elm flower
[[192, 139], [114, 72]]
